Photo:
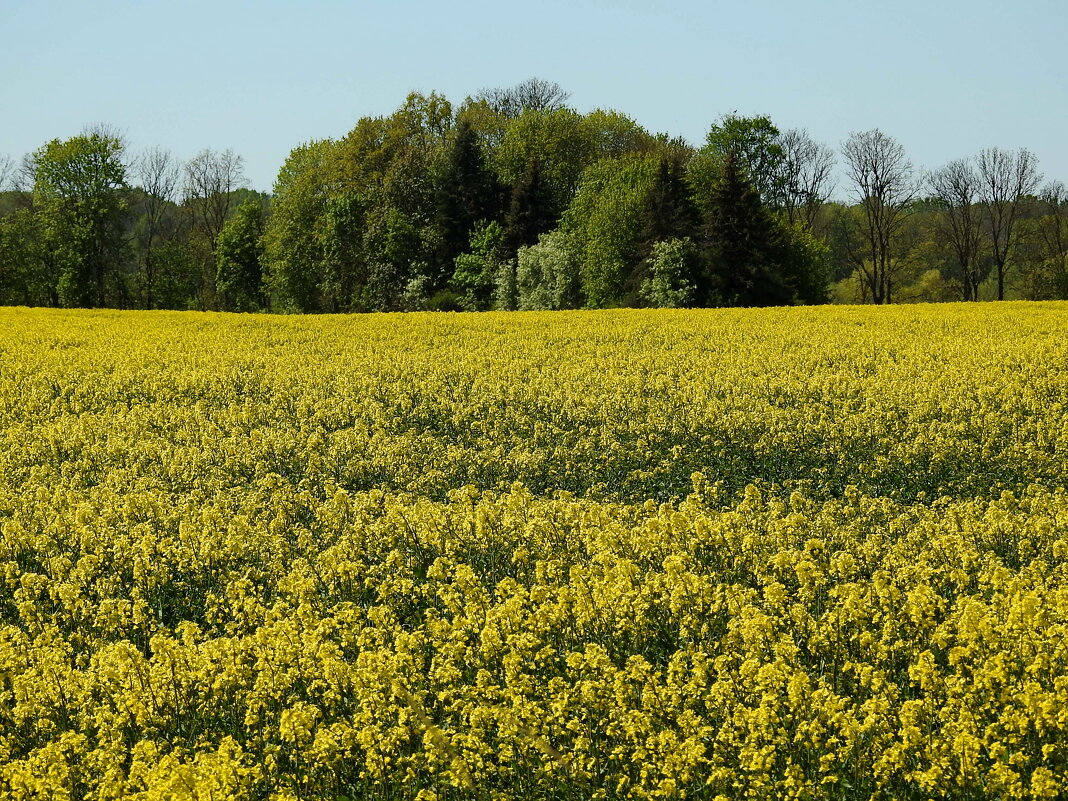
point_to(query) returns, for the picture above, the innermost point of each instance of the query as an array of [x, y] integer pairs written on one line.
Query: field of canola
[[794, 553]]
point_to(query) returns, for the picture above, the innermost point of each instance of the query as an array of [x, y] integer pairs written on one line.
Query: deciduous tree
[[239, 260], [533, 94], [955, 188], [804, 180], [78, 191], [158, 174], [211, 178], [1006, 179], [884, 186]]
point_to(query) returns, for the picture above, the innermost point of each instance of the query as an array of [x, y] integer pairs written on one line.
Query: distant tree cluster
[[82, 223], [514, 200]]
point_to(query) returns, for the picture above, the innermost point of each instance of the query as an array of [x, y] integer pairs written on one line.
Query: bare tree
[[805, 179], [7, 171], [211, 179], [25, 174], [158, 173], [956, 189], [1006, 178], [533, 93], [883, 181]]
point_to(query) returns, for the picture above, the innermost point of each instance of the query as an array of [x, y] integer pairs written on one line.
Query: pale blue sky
[[944, 77]]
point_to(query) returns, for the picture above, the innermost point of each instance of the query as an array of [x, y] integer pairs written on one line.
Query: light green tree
[[79, 194], [293, 243], [476, 270], [673, 268], [604, 223], [547, 275], [239, 260]]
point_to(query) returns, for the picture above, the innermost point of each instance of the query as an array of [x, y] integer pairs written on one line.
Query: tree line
[[515, 200]]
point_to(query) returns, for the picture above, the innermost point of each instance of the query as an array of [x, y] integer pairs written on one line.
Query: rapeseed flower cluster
[[804, 553]]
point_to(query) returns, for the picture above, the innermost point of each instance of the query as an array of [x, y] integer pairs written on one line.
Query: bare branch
[[956, 189], [1006, 179], [211, 179], [7, 172], [884, 184], [806, 168], [533, 93]]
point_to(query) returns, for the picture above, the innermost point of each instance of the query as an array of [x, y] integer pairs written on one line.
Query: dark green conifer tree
[[669, 212], [744, 246], [468, 192], [531, 212]]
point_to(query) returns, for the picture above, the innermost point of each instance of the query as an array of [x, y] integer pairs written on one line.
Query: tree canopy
[[512, 198]]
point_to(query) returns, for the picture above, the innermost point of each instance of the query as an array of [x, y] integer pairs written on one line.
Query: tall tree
[[78, 189], [211, 178], [884, 186], [344, 269], [531, 211], [294, 249], [955, 188], [7, 172], [239, 259], [614, 134], [547, 275], [744, 245], [211, 181], [604, 223], [1006, 179], [532, 94], [668, 213], [558, 139], [804, 176], [27, 275], [755, 145], [158, 175], [1053, 236], [468, 192]]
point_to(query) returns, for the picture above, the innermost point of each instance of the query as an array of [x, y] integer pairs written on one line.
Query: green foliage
[[429, 207], [467, 193], [239, 260], [344, 266], [506, 286], [177, 280], [547, 276], [532, 209], [746, 265], [668, 212], [806, 263], [673, 269], [754, 258], [293, 246], [26, 269], [604, 222], [613, 134], [754, 142], [78, 193], [475, 271], [398, 275], [558, 140]]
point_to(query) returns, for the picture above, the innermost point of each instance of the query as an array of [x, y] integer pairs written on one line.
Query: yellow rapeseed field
[[790, 553]]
